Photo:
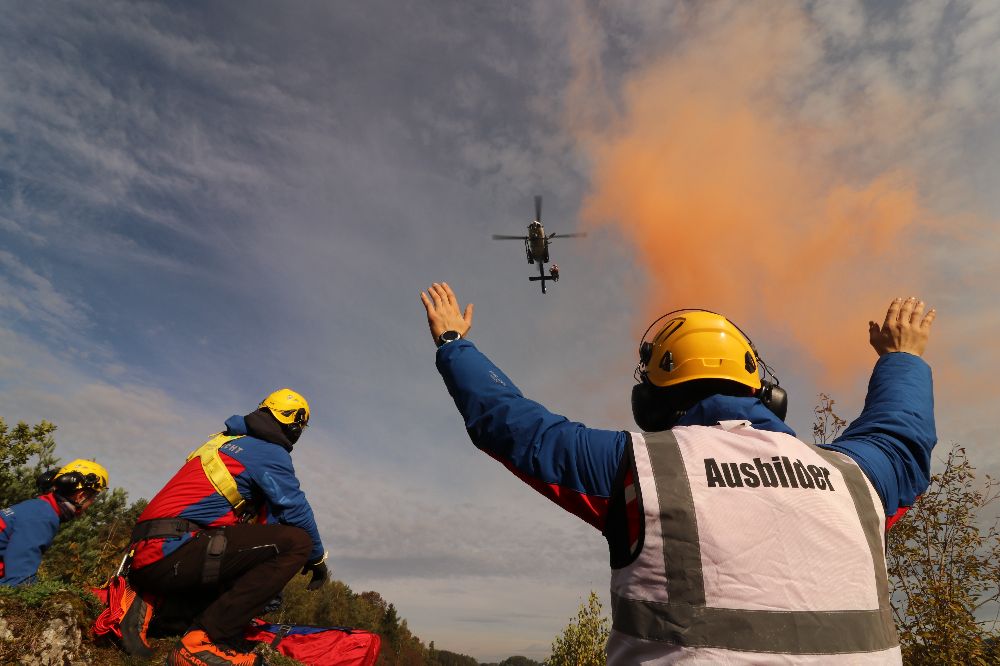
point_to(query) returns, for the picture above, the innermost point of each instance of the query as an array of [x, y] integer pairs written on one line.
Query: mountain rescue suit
[[194, 549], [27, 529], [730, 540]]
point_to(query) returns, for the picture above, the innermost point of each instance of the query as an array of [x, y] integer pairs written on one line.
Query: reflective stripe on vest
[[217, 472], [679, 614]]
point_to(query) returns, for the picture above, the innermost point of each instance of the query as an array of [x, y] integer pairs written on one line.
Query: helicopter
[[536, 246]]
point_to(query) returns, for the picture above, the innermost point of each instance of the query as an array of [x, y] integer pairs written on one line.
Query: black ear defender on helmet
[[770, 393], [774, 397], [67, 484], [43, 483], [657, 408]]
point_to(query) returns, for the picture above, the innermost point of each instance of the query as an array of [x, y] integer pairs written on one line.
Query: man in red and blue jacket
[[28, 528], [593, 474], [225, 540]]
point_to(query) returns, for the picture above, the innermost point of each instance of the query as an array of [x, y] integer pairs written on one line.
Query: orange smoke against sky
[[735, 202]]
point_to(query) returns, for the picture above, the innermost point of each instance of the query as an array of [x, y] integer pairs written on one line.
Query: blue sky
[[202, 203]]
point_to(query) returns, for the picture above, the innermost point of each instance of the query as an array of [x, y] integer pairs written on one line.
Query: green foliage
[[437, 657], [88, 549], [517, 660], [18, 445], [945, 569], [584, 640], [37, 595], [272, 657]]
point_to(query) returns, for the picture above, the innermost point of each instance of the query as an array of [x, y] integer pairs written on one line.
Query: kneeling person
[[28, 528], [229, 530]]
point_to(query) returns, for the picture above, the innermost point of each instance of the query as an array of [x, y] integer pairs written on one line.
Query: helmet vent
[[750, 364]]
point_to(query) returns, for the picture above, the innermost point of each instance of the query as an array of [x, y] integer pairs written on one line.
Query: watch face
[[449, 336]]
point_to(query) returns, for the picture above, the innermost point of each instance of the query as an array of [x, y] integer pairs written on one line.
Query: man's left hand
[[444, 312], [320, 574]]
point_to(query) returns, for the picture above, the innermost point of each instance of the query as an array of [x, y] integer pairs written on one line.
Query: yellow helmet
[[287, 406], [698, 344], [81, 475]]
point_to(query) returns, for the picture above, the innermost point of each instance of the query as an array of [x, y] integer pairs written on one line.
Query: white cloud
[[31, 297]]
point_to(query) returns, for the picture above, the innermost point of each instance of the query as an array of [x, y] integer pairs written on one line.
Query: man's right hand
[[906, 328]]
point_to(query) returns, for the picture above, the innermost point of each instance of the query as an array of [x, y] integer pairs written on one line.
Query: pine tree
[[19, 446]]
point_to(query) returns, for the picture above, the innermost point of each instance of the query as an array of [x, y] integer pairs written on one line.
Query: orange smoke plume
[[735, 202]]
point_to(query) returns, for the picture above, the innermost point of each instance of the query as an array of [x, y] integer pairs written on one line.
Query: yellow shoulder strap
[[216, 470]]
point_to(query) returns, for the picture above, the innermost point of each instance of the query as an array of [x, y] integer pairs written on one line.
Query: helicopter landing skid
[[543, 279]]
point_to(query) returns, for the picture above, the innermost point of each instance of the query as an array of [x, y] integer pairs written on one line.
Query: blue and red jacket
[[27, 529], [581, 469], [264, 477]]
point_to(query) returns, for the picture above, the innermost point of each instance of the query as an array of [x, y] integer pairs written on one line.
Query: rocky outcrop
[[50, 634], [59, 640]]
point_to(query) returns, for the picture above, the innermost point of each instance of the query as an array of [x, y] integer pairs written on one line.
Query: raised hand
[[906, 328], [444, 312]]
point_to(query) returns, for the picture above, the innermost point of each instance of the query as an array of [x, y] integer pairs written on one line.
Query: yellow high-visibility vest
[[216, 471]]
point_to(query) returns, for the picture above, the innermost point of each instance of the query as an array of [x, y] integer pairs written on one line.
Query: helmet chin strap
[[68, 509]]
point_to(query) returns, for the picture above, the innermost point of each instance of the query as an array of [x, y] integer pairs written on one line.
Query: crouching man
[[227, 532]]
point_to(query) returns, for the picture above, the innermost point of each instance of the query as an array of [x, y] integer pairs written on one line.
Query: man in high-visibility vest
[[28, 528], [226, 534], [731, 541]]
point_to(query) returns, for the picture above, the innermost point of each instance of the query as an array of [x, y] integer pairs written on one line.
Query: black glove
[[274, 604], [320, 573]]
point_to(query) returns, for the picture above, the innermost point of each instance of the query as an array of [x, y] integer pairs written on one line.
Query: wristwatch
[[448, 336]]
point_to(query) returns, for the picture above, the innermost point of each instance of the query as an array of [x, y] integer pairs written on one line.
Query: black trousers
[[256, 563]]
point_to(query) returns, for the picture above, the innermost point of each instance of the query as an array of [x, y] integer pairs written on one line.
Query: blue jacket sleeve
[[275, 476], [35, 528], [893, 437], [571, 464]]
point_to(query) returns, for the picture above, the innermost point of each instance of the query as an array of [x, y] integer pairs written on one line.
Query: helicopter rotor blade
[[582, 234], [538, 207], [505, 237]]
